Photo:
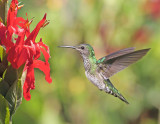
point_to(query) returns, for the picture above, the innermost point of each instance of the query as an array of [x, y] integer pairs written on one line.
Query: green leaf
[[10, 75], [14, 96], [4, 87], [1, 52], [4, 111], [5, 61], [2, 69], [23, 77], [20, 70]]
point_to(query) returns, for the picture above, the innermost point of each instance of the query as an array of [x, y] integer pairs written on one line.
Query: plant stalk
[[3, 11]]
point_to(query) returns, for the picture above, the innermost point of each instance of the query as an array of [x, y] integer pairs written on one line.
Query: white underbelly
[[96, 80]]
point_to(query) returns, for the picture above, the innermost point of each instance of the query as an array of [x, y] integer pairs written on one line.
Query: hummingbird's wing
[[114, 63], [116, 54]]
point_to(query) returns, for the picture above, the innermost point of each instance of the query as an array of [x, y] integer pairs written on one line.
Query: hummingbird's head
[[84, 49]]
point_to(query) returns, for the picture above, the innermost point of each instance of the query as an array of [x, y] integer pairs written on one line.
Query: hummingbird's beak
[[73, 47]]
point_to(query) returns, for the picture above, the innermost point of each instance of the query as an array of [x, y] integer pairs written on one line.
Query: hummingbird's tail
[[110, 89]]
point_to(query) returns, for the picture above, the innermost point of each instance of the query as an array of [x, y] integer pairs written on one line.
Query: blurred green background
[[107, 25]]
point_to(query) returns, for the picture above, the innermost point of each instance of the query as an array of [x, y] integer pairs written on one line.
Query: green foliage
[[1, 51], [10, 75], [14, 96], [11, 90], [3, 60], [4, 111], [4, 87], [11, 83]]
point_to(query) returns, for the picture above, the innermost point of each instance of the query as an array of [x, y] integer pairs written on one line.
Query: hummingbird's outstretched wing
[[115, 62], [116, 54]]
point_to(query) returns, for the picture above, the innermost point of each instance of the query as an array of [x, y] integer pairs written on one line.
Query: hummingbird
[[99, 71]]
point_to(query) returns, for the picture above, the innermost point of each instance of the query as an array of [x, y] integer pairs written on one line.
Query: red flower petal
[[12, 13], [2, 33], [18, 55], [29, 82], [43, 66], [38, 52], [43, 45], [34, 33]]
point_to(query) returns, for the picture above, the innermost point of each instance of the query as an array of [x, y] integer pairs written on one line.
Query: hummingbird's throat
[[89, 64]]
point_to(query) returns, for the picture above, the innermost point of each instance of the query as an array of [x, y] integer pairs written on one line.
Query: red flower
[[141, 35], [152, 7], [24, 50]]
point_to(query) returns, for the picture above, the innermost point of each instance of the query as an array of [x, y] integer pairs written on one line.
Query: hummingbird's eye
[[82, 47]]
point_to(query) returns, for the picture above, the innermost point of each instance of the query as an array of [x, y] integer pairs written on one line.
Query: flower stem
[[3, 10]]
